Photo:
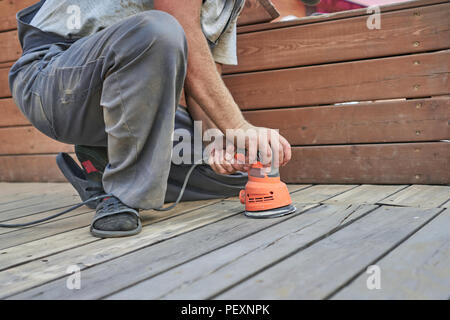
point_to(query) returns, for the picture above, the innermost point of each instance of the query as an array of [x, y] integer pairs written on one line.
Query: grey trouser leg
[[117, 88]]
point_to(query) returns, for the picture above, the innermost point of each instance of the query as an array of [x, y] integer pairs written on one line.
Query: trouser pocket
[[37, 116], [71, 97]]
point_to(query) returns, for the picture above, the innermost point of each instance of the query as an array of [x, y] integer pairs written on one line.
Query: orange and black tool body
[[265, 195]]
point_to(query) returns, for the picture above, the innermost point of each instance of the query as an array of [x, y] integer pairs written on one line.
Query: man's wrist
[[235, 124]]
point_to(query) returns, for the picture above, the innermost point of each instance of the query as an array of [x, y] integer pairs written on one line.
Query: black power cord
[[183, 188]]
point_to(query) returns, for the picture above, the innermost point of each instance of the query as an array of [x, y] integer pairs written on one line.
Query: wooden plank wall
[[304, 77], [290, 76], [25, 153]]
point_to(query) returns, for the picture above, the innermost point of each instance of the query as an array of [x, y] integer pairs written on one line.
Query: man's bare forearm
[[198, 114], [196, 110], [203, 83]]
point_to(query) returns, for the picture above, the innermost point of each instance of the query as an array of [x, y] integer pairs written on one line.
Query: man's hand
[[265, 142], [268, 143], [223, 160]]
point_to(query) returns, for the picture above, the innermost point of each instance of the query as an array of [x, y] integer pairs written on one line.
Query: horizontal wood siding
[[410, 76], [339, 15], [406, 163], [4, 86], [10, 114], [389, 121], [30, 168], [24, 140], [407, 31], [8, 10], [290, 77]]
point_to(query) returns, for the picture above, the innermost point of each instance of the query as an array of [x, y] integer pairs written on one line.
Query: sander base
[[272, 213]]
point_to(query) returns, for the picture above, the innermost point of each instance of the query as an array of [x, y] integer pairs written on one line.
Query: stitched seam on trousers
[[49, 122], [126, 122]]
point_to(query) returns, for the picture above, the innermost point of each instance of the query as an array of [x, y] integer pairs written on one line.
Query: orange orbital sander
[[265, 195]]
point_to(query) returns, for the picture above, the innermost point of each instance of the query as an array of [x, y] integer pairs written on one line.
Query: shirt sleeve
[[225, 50]]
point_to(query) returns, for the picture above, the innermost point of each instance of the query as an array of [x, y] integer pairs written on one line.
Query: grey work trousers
[[117, 88]]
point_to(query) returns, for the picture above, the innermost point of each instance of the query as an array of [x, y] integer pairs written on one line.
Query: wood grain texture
[[134, 267], [338, 15], [4, 85], [6, 64], [8, 10], [410, 76], [30, 168], [391, 121], [10, 49], [231, 264], [320, 193], [14, 192], [34, 245], [79, 218], [365, 194], [420, 196], [417, 269], [11, 114], [408, 163], [405, 31], [33, 206], [257, 11], [165, 254], [29, 140], [317, 271], [53, 267]]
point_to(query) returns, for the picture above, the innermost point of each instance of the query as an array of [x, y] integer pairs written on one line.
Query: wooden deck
[[209, 250]]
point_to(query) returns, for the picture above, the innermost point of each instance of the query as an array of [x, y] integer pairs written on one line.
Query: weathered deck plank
[[42, 247], [317, 271], [14, 192], [418, 269], [420, 196], [320, 193], [302, 194], [79, 218], [40, 271], [106, 278], [365, 194], [233, 263], [35, 206], [230, 250]]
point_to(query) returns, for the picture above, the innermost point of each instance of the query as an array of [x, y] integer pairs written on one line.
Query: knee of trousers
[[152, 29]]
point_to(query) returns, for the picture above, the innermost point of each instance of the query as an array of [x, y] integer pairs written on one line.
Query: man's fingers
[[219, 163], [238, 167], [264, 148], [212, 163], [277, 149], [286, 150], [252, 149], [280, 155], [227, 167]]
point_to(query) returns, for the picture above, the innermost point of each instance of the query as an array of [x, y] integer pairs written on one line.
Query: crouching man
[[109, 74]]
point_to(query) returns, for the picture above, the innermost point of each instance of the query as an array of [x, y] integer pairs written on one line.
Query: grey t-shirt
[[84, 17]]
